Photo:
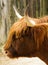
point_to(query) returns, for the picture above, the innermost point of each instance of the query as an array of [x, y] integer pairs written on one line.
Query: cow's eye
[[14, 37]]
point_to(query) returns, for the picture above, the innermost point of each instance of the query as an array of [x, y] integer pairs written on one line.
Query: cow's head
[[21, 45], [23, 41]]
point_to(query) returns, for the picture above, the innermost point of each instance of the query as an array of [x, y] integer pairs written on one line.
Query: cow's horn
[[16, 12], [29, 22]]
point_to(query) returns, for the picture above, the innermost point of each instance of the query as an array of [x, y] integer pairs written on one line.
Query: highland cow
[[25, 38]]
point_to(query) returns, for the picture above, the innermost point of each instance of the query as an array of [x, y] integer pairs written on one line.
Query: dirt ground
[[4, 60]]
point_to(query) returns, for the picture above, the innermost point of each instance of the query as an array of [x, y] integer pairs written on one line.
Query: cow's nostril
[[6, 52]]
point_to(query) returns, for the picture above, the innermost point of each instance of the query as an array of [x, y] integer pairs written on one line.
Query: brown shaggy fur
[[23, 40]]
